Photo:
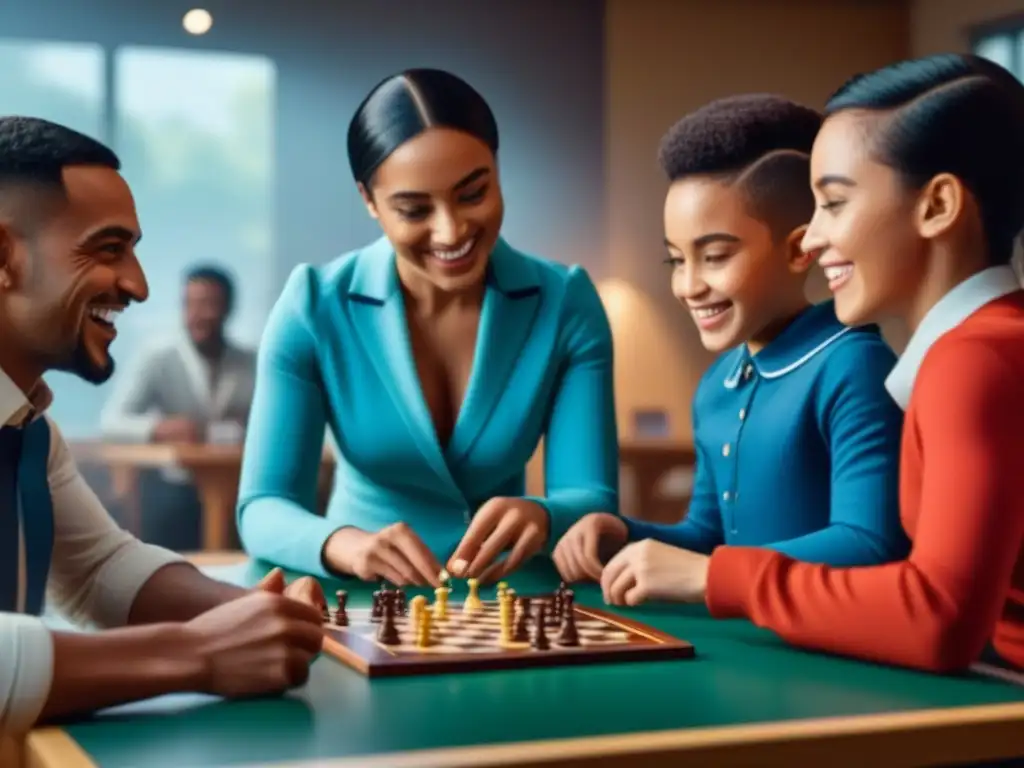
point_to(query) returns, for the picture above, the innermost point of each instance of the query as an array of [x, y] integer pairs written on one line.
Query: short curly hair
[[760, 141]]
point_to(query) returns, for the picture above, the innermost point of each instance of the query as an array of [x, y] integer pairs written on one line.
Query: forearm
[[687, 535], [92, 671], [284, 533], [841, 546], [177, 593], [566, 506]]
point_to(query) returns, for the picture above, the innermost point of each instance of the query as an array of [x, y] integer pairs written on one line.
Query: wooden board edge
[[54, 748], [361, 653], [884, 740]]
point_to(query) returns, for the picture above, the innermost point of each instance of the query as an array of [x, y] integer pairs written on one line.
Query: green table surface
[[740, 675]]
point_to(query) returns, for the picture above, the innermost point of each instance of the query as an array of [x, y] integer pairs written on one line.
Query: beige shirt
[[97, 570]]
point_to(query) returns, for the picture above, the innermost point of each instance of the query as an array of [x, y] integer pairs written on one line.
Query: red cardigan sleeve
[[938, 608]]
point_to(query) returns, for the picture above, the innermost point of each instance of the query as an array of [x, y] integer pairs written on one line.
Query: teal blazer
[[336, 352]]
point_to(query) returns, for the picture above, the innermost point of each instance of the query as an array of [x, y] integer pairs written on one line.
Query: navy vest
[[26, 513]]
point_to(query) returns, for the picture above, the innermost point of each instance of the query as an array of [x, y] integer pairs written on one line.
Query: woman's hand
[[498, 525], [395, 554]]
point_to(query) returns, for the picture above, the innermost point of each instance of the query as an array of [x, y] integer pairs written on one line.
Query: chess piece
[[473, 603], [400, 602], [540, 638], [505, 618], [423, 629], [387, 634], [377, 604], [417, 606], [341, 612], [502, 588], [441, 603], [568, 634], [521, 628]]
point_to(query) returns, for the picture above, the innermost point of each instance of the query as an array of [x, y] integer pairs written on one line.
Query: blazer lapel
[[378, 313], [506, 321]]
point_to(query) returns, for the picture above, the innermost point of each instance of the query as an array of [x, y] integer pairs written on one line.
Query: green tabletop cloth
[[740, 675]]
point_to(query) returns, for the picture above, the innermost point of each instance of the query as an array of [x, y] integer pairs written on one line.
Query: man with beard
[[68, 269]]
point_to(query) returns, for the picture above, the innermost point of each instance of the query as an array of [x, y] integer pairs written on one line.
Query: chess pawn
[[388, 632], [423, 629], [502, 587], [473, 603], [540, 638], [417, 606], [441, 602], [341, 612], [377, 605], [505, 619], [568, 634]]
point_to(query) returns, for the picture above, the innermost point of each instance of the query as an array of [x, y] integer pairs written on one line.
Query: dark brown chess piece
[[341, 612], [521, 627], [540, 638], [400, 602], [387, 634], [568, 634], [377, 605]]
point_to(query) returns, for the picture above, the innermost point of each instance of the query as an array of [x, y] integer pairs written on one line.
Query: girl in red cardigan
[[918, 173]]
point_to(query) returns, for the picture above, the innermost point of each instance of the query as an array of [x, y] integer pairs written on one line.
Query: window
[[1002, 44], [194, 130]]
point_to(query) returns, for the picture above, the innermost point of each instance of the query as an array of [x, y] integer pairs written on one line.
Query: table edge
[[941, 732], [54, 747]]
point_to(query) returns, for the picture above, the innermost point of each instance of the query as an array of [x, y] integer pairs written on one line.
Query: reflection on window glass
[[997, 48], [62, 82]]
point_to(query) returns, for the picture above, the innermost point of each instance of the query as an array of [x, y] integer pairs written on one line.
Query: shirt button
[[726, 495], [726, 449], [748, 371], [743, 413]]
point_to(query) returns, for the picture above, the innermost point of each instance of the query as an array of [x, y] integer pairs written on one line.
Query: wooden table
[[214, 468], [746, 699]]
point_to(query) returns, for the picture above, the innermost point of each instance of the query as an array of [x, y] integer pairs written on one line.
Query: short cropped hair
[[33, 156], [950, 113], [403, 106], [761, 142], [204, 273]]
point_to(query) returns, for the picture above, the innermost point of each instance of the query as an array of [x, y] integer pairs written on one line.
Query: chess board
[[464, 642]]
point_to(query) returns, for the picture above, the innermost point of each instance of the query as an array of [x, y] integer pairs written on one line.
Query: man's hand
[[305, 589], [259, 644], [498, 525], [395, 554], [651, 570], [177, 429], [581, 552]]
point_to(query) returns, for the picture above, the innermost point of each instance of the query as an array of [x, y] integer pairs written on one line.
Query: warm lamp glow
[[197, 21]]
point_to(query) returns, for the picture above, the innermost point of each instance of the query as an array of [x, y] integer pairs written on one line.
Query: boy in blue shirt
[[797, 440]]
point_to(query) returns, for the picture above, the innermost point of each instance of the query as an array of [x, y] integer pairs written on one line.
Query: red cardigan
[[961, 503]]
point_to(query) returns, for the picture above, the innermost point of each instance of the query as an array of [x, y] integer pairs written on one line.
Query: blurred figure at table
[[195, 388]]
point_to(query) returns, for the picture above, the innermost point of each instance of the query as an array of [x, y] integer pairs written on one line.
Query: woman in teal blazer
[[439, 356]]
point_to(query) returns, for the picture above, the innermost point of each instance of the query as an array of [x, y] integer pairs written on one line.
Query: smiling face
[[866, 227], [438, 200], [736, 279], [69, 280]]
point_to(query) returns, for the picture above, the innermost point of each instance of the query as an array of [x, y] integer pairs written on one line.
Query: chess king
[[68, 269]]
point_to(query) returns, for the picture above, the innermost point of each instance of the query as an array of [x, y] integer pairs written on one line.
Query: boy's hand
[[581, 552], [650, 570]]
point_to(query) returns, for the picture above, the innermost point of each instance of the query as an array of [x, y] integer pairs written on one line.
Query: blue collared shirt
[[798, 449]]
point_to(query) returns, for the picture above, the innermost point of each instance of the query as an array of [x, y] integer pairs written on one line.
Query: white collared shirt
[[97, 570], [949, 312]]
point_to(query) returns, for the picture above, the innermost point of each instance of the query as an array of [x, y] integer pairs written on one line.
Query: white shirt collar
[[16, 407], [951, 310]]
